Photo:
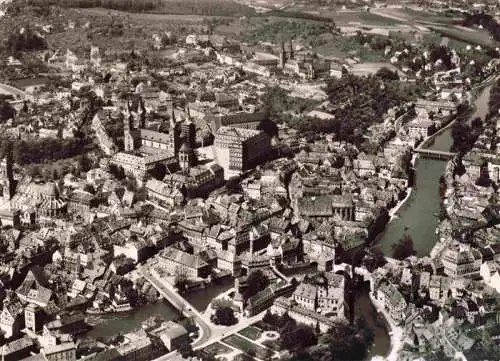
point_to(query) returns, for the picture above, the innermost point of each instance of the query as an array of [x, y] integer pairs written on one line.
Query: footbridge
[[435, 154]]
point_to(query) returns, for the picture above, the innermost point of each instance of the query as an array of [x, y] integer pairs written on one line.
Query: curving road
[[10, 90]]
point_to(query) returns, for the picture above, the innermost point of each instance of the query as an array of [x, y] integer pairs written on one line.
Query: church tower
[[174, 133], [32, 317], [188, 133], [128, 139], [290, 52], [282, 56], [142, 115], [7, 176], [173, 122], [187, 157]]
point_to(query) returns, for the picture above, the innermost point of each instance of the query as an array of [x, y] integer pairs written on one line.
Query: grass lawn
[[344, 46], [248, 347], [251, 332], [346, 17], [243, 357], [472, 37], [435, 39], [216, 349], [430, 16]]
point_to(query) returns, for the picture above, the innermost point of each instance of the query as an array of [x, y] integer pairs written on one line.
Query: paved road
[[10, 90]]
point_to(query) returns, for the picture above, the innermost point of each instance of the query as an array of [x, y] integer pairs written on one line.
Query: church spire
[[282, 55], [143, 113], [173, 122], [188, 114]]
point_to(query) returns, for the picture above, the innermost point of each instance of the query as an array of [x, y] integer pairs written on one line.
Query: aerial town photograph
[[249, 180]]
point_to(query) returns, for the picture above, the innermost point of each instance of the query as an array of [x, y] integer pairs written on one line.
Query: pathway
[[396, 332], [10, 90]]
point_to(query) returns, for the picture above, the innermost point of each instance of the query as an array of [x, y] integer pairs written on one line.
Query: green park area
[[251, 332], [248, 347]]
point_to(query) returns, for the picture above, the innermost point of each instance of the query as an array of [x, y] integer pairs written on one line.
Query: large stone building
[[238, 149], [178, 262], [38, 201], [461, 261], [329, 206], [301, 314], [145, 148], [392, 300], [239, 119], [323, 293], [197, 181]]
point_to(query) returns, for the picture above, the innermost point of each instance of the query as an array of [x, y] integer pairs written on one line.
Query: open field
[[412, 16], [149, 17], [347, 17], [474, 37], [432, 17], [342, 46]]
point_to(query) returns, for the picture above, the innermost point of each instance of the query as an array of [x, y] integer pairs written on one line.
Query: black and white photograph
[[249, 180]]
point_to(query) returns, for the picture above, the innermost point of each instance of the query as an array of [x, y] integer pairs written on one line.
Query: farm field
[[348, 17], [475, 37], [150, 17], [411, 16]]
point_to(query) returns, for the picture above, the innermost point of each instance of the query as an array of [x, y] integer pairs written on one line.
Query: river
[[418, 216], [114, 324]]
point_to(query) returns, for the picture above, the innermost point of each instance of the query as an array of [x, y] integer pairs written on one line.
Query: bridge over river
[[417, 217], [435, 154]]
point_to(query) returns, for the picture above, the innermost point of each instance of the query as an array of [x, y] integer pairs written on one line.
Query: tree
[[297, 339], [344, 342], [256, 282], [181, 279], [404, 248], [224, 316], [25, 40], [386, 74], [6, 111], [89, 188], [186, 350], [55, 174], [84, 163], [374, 258], [476, 122], [159, 171], [117, 171]]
